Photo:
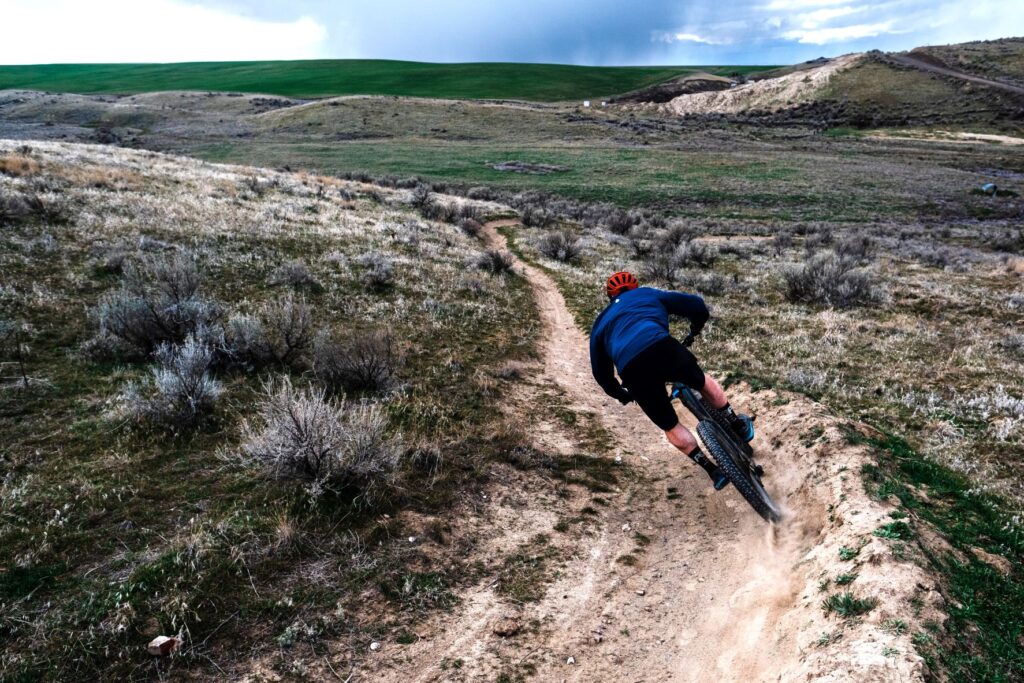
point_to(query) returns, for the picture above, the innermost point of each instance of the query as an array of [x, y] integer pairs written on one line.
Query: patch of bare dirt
[[771, 93], [947, 136]]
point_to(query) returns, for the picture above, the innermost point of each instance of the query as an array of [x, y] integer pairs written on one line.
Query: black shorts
[[647, 374]]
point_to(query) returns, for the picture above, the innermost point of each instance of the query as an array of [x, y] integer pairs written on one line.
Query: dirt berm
[[716, 594]]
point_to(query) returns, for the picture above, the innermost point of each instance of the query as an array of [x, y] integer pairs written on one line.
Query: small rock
[[598, 639], [640, 592], [161, 646], [571, 660], [618, 459], [412, 539], [626, 526], [374, 646], [506, 627]]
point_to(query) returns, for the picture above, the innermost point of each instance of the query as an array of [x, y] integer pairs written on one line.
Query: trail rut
[[716, 594]]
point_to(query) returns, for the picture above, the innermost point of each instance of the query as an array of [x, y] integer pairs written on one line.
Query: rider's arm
[[604, 371], [689, 306]]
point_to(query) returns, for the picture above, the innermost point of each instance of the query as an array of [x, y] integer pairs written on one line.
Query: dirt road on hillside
[[924, 65], [717, 594]]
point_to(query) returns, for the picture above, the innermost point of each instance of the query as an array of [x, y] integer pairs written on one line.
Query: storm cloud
[[571, 31]]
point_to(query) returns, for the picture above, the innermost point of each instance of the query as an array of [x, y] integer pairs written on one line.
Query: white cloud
[[809, 20], [56, 31], [682, 37], [839, 34], [800, 4], [694, 38]]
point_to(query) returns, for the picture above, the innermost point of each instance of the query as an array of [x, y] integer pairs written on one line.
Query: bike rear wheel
[[738, 467]]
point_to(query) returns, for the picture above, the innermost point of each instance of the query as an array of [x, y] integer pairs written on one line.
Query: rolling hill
[[324, 78]]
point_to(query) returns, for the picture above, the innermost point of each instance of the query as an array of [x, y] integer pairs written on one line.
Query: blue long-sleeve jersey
[[633, 321]]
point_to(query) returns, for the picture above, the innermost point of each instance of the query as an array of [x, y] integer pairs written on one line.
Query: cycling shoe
[[744, 427]]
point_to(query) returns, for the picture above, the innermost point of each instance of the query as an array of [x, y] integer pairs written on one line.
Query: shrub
[[619, 222], [856, 248], [480, 193], [469, 211], [659, 267], [158, 303], [709, 284], [421, 197], [495, 261], [296, 274], [470, 227], [253, 185], [16, 208], [246, 341], [365, 361], [561, 246], [110, 258], [445, 212], [534, 216], [12, 209], [380, 271], [46, 210], [106, 348], [782, 241], [817, 240], [181, 390], [824, 278], [676, 235], [289, 326], [698, 254], [328, 446], [638, 242]]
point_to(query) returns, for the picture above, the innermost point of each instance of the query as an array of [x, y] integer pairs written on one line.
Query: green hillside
[[324, 78]]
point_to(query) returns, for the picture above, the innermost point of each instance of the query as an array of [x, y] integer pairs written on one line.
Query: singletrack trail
[[925, 65], [716, 594]]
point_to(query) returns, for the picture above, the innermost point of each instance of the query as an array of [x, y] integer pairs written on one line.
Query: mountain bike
[[733, 455]]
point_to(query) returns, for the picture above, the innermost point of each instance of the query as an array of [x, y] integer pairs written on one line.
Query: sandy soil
[[770, 93], [948, 136], [717, 594]]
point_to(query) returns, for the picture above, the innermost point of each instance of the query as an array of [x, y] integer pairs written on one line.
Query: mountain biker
[[631, 334]]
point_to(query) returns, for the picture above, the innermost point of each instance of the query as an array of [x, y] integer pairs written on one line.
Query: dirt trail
[[717, 594], [923, 65]]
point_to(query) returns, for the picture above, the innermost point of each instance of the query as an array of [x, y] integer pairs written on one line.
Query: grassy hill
[[323, 78], [999, 59]]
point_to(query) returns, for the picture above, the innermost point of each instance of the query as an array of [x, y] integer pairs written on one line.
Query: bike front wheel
[[738, 468]]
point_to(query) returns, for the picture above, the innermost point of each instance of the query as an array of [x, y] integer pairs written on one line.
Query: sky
[[598, 32]]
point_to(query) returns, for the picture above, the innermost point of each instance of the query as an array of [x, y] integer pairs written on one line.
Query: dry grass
[[116, 530], [19, 165], [924, 354]]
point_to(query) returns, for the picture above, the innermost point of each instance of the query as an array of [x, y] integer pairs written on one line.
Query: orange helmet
[[620, 282]]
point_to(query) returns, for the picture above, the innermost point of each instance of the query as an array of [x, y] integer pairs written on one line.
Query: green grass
[[329, 77], [846, 553], [847, 605], [689, 181], [845, 579], [986, 608]]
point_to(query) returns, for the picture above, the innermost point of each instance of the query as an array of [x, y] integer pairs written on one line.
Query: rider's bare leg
[[680, 437], [714, 393]]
